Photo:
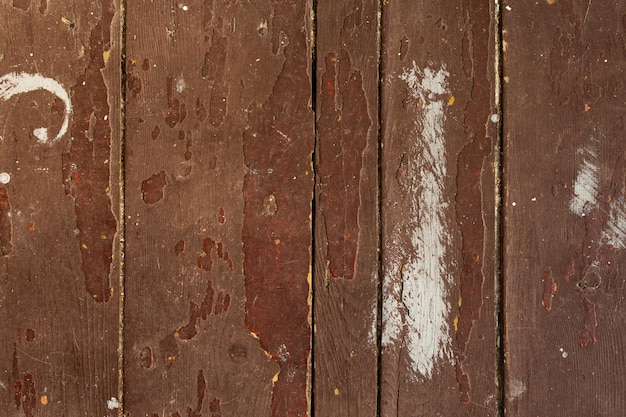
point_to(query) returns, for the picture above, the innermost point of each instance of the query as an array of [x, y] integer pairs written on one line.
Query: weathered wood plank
[[218, 208], [346, 217], [59, 199], [564, 106], [438, 338]]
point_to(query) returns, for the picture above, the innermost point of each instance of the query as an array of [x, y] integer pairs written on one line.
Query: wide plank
[[219, 137], [59, 205], [564, 203], [346, 214], [439, 133]]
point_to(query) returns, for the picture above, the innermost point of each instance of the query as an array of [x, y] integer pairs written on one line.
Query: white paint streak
[[585, 198], [587, 183], [418, 305], [18, 83], [615, 232]]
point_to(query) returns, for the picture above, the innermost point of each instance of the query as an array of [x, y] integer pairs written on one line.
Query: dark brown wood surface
[[346, 232], [564, 226], [282, 208], [59, 204]]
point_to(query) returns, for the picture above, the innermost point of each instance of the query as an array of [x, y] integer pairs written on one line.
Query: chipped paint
[[418, 305], [15, 83]]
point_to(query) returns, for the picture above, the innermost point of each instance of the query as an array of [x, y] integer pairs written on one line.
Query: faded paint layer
[[342, 135], [278, 143], [417, 309]]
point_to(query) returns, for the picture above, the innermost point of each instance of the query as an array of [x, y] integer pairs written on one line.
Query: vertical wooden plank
[[439, 350], [59, 199], [346, 235], [564, 158], [218, 207]]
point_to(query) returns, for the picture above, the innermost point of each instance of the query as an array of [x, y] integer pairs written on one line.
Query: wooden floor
[[215, 208]]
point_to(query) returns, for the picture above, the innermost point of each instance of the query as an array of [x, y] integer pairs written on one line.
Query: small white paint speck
[[183, 7], [113, 404], [5, 177], [508, 8], [514, 204], [180, 85], [106, 117], [533, 199], [495, 118]]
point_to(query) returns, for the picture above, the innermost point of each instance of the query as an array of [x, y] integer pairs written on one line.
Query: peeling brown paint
[[25, 394], [6, 246], [29, 335], [278, 143], [590, 323], [549, 289], [134, 84], [86, 167], [469, 176], [152, 188], [21, 4], [215, 406], [213, 303], [342, 136]]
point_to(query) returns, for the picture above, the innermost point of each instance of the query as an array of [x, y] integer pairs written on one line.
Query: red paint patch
[[86, 168], [588, 335], [180, 247], [549, 289], [152, 188], [29, 335], [209, 305], [6, 247], [25, 394], [469, 167], [342, 132]]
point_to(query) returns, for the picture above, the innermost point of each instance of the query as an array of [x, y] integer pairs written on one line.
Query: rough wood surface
[[59, 199], [346, 218], [218, 208], [564, 234], [438, 337]]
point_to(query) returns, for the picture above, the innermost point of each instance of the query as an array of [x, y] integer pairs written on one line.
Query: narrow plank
[[439, 350], [218, 206], [346, 232], [564, 157], [59, 201]]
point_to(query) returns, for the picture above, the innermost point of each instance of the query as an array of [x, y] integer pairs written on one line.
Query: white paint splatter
[[587, 183], [615, 232], [418, 304], [585, 198], [181, 85], [17, 83], [113, 404], [5, 177]]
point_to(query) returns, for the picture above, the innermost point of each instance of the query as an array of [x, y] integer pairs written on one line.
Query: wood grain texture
[[58, 211], [218, 203], [438, 327], [346, 233], [564, 176]]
